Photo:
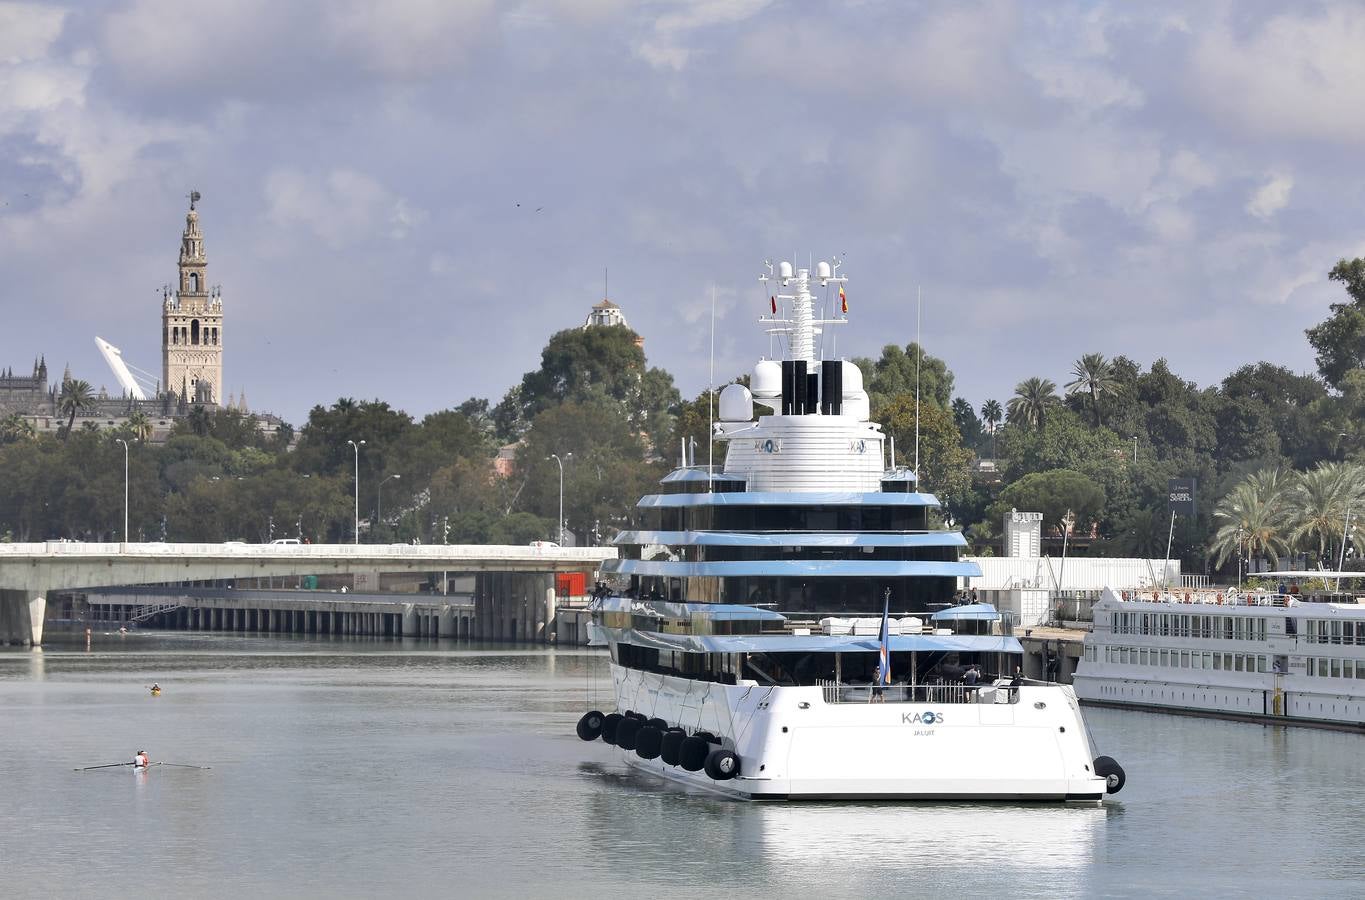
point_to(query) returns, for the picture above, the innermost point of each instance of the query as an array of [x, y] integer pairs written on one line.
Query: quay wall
[[502, 606]]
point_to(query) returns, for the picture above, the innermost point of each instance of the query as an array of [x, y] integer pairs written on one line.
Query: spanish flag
[[843, 300]]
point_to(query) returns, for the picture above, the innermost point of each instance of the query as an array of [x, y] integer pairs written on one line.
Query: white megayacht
[[785, 626]]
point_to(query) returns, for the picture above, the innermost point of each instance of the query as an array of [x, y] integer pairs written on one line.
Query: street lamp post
[[380, 513], [1068, 522], [555, 457], [356, 445], [125, 488]]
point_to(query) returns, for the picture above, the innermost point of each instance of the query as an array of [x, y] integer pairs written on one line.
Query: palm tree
[[140, 425], [991, 414], [1094, 376], [1319, 499], [77, 396], [15, 427], [1031, 401], [1254, 516]]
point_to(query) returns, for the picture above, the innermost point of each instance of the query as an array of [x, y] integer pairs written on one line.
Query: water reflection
[[343, 768], [827, 847]]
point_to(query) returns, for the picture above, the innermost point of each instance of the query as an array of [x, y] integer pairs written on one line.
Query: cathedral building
[[191, 361], [192, 324], [24, 392]]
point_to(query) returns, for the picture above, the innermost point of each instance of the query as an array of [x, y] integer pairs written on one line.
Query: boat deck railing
[[945, 693], [1210, 597]]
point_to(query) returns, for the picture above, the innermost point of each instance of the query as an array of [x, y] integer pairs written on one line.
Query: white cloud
[[1188, 170], [409, 38], [957, 58], [668, 45], [1271, 197], [341, 206], [1300, 75], [270, 50], [27, 31], [1085, 87]]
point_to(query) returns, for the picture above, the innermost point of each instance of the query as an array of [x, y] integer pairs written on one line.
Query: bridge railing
[[407, 552]]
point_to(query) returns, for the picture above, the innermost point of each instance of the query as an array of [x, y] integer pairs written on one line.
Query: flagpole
[[919, 352], [711, 401]]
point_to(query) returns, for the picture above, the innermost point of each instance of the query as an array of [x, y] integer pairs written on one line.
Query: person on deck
[[972, 676], [142, 761]]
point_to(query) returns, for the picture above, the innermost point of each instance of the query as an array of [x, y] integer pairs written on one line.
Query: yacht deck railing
[[1210, 597], [945, 693]]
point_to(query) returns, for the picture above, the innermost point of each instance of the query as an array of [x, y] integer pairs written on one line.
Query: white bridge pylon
[[113, 356]]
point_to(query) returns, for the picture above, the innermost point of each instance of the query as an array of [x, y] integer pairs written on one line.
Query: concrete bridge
[[30, 572]]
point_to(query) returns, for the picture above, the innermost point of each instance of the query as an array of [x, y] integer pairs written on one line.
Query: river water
[[366, 767]]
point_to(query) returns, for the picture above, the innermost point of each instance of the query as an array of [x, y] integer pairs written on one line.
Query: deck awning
[[978, 612]]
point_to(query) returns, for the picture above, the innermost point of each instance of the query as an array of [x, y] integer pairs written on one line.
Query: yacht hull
[[793, 745]]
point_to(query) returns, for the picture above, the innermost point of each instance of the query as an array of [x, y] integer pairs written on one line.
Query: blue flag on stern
[[884, 654]]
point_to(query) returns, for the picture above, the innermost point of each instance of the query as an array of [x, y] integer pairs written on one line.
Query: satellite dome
[[853, 379], [767, 379], [857, 406], [736, 404]]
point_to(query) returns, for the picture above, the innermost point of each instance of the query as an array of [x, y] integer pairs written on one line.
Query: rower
[[156, 689], [141, 761]]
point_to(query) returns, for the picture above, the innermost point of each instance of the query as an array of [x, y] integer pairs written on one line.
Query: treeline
[[1095, 448], [592, 402]]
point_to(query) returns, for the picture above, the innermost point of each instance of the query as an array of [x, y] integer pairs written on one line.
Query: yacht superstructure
[[785, 627]]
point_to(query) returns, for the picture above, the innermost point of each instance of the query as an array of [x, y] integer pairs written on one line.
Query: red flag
[[774, 299], [843, 300]]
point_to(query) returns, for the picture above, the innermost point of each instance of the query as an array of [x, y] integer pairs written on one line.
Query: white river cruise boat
[[1259, 656], [785, 627]]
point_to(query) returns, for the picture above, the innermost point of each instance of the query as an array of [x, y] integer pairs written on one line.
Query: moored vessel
[[1267, 656], [784, 626]]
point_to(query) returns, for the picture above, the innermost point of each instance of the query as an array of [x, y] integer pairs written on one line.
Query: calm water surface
[[368, 767]]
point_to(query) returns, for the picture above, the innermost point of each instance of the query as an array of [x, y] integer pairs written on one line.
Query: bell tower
[[192, 323]]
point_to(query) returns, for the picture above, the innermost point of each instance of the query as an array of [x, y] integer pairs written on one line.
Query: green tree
[[603, 480], [1141, 534], [1288, 409], [992, 414], [1340, 339], [1318, 500], [76, 398], [1253, 518], [600, 363], [1094, 376], [968, 425], [945, 465], [140, 426], [894, 373], [1033, 399], [1054, 493], [15, 427]]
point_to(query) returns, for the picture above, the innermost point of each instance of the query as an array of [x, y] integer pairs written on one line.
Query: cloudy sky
[[404, 198]]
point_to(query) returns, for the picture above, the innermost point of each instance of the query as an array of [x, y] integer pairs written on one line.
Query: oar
[[181, 766], [107, 766]]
